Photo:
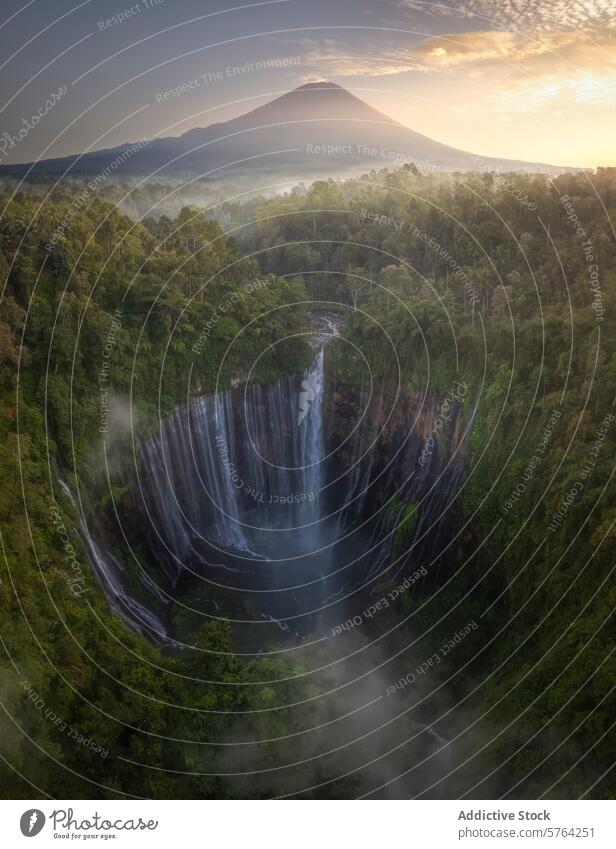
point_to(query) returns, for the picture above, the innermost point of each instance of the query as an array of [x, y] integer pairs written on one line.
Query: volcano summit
[[316, 131]]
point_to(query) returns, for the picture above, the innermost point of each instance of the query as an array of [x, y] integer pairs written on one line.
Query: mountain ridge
[[317, 129]]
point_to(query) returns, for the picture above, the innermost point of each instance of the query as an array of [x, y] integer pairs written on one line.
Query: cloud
[[580, 50], [463, 48], [489, 53], [552, 63], [526, 15], [334, 57], [525, 74], [345, 65]]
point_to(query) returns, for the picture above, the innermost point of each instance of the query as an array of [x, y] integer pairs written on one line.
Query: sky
[[518, 79]]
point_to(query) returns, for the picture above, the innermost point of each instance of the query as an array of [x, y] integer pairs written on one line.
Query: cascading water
[[312, 431], [284, 505], [240, 471], [254, 499], [109, 573]]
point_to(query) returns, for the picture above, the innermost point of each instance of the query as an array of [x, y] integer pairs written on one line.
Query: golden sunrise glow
[[539, 86]]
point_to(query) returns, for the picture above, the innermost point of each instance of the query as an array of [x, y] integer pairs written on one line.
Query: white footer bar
[[175, 824]]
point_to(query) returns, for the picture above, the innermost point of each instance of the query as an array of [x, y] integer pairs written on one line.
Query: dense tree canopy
[[449, 268]]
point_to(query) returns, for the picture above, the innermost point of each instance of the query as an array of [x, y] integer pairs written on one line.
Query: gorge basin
[[282, 503], [288, 508], [235, 495]]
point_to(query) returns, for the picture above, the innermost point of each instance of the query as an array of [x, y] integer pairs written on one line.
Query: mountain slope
[[316, 130]]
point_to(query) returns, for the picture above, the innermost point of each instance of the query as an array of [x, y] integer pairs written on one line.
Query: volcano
[[315, 131]]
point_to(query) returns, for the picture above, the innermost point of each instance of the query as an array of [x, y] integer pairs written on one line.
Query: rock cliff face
[[398, 458]]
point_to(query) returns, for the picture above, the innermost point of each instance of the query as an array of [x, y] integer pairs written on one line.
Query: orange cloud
[[581, 50]]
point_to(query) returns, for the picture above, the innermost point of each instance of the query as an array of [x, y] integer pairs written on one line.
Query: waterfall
[[240, 470], [310, 420], [229, 496], [109, 571], [239, 476], [231, 490]]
